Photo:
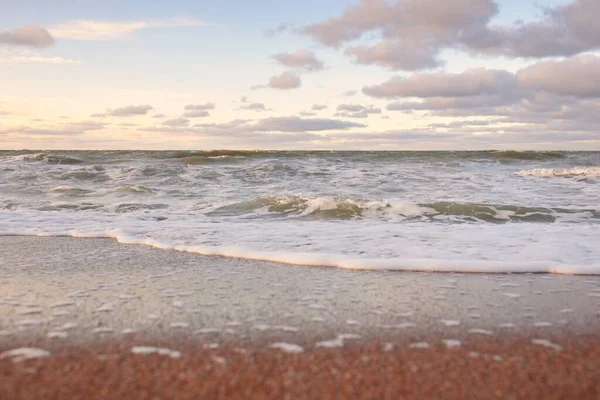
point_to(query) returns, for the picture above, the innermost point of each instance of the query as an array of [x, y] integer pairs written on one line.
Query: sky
[[336, 74]]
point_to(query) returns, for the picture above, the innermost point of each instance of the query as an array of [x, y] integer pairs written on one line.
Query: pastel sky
[[311, 74]]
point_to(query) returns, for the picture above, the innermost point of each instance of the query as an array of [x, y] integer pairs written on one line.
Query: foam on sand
[[287, 347], [148, 350], [24, 353]]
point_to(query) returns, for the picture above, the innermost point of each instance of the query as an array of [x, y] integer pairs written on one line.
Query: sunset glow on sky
[[339, 74]]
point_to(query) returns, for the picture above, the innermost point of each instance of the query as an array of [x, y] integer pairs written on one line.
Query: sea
[[465, 211]]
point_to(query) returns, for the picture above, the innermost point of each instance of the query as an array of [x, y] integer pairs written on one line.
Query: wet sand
[[246, 329]]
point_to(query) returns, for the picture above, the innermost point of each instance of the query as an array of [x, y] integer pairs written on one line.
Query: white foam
[[287, 347], [481, 332], [108, 307], [452, 343], [449, 322], [57, 335], [148, 350], [419, 345], [562, 172], [179, 325], [338, 341], [24, 353], [547, 343]]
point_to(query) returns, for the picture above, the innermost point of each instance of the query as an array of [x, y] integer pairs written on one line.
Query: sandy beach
[[118, 321]]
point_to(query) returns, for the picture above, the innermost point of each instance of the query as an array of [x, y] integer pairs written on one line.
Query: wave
[[576, 172], [526, 155], [348, 261], [345, 209], [199, 160], [50, 158]]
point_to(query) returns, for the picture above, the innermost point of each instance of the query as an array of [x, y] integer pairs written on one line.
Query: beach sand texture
[[103, 320]]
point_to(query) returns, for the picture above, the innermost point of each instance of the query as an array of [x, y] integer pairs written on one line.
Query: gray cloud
[[395, 55], [578, 76], [200, 107], [565, 30], [469, 83], [276, 31], [307, 113], [318, 107], [414, 33], [356, 110], [297, 124], [196, 114], [28, 36], [254, 107], [68, 129], [177, 122], [304, 59], [128, 111], [287, 80]]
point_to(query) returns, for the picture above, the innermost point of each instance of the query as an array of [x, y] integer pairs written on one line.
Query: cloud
[[565, 30], [318, 107], [578, 76], [38, 60], [177, 122], [69, 129], [349, 93], [128, 111], [196, 114], [236, 123], [104, 30], [356, 111], [395, 56], [198, 110], [286, 81], [276, 31], [304, 59], [290, 124], [254, 107], [297, 124], [412, 34], [469, 83], [200, 107], [28, 36]]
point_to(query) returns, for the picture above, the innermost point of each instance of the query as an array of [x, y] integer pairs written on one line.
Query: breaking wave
[[345, 209], [576, 172]]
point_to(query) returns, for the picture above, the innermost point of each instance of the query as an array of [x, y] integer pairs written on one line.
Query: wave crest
[[576, 172]]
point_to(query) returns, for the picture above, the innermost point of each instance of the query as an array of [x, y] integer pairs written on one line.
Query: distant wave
[[49, 158]]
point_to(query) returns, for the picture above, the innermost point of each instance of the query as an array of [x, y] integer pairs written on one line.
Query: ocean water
[[494, 211]]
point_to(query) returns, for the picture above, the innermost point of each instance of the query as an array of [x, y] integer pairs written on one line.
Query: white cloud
[[38, 60], [104, 30]]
